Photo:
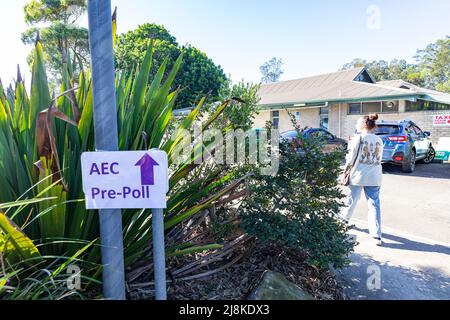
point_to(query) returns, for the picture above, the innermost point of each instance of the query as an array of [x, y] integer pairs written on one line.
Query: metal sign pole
[[105, 124], [159, 257]]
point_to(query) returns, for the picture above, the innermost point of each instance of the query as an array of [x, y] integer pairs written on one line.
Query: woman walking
[[364, 173]]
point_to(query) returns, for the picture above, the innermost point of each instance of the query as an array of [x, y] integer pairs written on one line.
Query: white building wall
[[308, 118]]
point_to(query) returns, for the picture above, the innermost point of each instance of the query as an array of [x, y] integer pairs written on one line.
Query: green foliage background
[[431, 70], [57, 23], [198, 75]]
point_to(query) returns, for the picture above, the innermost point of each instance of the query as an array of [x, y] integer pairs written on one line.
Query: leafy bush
[[297, 207], [239, 115]]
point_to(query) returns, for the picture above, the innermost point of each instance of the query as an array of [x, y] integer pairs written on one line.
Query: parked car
[[405, 144], [331, 141]]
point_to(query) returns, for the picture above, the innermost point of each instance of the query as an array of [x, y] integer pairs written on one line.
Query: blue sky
[[311, 37]]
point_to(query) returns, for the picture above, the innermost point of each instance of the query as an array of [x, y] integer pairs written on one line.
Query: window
[[276, 119], [324, 111], [442, 106], [290, 135], [410, 130], [387, 130], [422, 105], [419, 105], [415, 131], [354, 108], [418, 131], [371, 107], [325, 135], [324, 123], [390, 106], [320, 135], [374, 107], [364, 77], [412, 106], [324, 116]]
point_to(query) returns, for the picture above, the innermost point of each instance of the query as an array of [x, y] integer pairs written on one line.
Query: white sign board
[[125, 180], [442, 120]]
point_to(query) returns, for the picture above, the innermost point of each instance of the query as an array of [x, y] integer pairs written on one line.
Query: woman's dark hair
[[370, 121]]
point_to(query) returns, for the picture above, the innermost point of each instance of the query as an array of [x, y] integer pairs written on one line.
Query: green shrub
[[297, 207]]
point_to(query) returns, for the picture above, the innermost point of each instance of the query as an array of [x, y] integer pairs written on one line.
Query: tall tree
[[431, 70], [198, 76], [355, 63], [57, 23], [434, 63], [271, 70], [382, 70]]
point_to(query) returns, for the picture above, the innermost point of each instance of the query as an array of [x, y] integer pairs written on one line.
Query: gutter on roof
[[381, 98], [323, 103], [291, 106], [432, 98]]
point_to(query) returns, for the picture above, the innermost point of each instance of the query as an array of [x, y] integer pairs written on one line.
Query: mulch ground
[[234, 276]]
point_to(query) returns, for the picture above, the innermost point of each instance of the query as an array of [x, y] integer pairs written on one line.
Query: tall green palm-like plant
[[42, 137]]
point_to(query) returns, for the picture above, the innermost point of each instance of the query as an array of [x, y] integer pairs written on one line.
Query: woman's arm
[[352, 150]]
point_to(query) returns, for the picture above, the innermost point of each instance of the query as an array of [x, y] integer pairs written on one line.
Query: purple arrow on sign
[[147, 164]]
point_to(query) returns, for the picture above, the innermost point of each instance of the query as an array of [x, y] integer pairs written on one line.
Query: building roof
[[436, 95], [342, 86]]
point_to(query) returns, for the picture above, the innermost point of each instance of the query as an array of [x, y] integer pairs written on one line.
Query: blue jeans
[[373, 199]]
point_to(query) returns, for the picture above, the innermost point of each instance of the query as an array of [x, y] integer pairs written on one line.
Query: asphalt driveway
[[418, 203], [415, 261]]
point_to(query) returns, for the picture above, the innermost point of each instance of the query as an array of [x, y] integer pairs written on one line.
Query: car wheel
[[431, 154], [409, 165]]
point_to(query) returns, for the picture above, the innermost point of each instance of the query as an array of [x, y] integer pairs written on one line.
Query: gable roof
[[342, 86]]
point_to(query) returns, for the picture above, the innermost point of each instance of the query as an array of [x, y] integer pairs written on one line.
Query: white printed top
[[368, 171]]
